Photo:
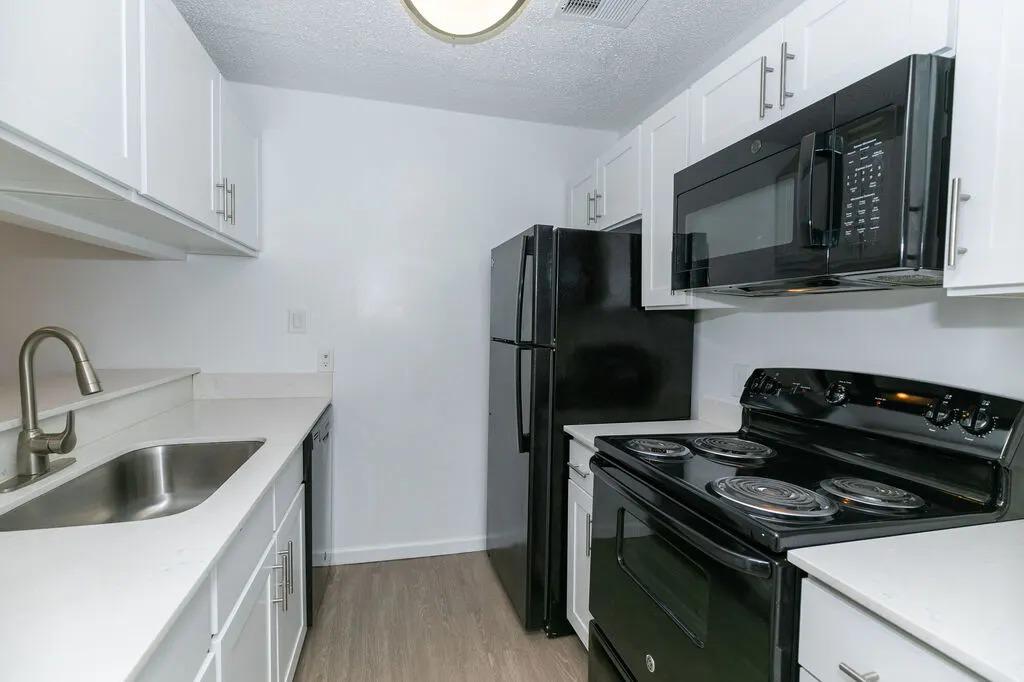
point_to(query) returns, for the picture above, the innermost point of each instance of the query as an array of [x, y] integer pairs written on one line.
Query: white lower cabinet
[[252, 633], [246, 648], [581, 510], [840, 642], [291, 617]]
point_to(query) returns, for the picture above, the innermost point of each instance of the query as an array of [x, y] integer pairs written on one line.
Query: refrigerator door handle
[[523, 437], [523, 250]]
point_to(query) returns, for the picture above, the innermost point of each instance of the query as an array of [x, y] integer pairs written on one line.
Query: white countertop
[[92, 602], [58, 393], [961, 591]]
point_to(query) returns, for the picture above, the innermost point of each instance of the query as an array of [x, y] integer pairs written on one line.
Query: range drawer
[[840, 640], [579, 466]]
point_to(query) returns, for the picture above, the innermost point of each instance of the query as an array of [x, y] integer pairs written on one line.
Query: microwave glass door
[[746, 227]]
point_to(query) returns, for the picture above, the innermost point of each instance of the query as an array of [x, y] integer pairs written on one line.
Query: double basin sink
[[142, 484]]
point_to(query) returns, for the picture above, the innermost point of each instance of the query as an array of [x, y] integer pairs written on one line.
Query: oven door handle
[[745, 563], [812, 146]]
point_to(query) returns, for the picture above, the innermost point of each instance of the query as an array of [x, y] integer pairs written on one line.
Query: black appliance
[[571, 344], [317, 475], [689, 577], [845, 194]]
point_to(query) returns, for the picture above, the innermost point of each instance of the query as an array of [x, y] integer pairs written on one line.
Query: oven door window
[[743, 228], [675, 582]]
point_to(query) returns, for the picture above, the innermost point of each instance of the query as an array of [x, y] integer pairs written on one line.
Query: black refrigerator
[[570, 344]]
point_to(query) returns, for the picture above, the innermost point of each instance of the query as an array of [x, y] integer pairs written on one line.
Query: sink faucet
[[34, 445]]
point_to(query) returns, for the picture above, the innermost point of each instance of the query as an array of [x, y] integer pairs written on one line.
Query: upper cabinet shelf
[[112, 130]]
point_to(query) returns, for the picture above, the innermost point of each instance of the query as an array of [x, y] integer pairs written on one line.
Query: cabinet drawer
[[181, 653], [579, 466], [241, 557], [287, 483], [835, 633]]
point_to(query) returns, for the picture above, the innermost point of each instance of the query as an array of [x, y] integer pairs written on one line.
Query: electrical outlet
[[740, 374], [297, 321], [325, 361]]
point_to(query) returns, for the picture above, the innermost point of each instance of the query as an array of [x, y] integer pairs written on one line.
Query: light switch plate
[[297, 321]]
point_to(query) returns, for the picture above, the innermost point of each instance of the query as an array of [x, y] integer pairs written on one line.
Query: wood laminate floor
[[443, 619]]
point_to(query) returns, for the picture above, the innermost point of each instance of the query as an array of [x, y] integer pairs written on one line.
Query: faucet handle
[[64, 442]]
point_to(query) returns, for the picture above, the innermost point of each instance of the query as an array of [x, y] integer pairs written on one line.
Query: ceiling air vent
[[618, 13]]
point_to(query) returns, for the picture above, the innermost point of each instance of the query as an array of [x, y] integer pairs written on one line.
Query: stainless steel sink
[[142, 484]]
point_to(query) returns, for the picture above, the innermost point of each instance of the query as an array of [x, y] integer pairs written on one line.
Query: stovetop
[[695, 478]]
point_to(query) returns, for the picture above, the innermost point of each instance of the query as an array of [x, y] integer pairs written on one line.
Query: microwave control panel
[[865, 148]]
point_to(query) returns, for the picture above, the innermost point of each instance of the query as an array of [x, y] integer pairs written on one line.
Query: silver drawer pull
[[581, 472], [859, 677]]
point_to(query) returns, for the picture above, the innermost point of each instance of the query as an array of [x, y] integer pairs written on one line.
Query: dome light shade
[[464, 21]]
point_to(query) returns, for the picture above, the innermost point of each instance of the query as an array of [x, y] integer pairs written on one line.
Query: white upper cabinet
[[737, 97], [834, 43], [181, 122], [581, 200], [239, 196], [665, 138], [618, 182], [69, 80], [984, 225]]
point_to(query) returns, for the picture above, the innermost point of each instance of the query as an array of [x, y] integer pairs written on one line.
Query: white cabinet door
[[69, 79], [581, 200], [985, 159], [736, 98], [618, 182], [581, 508], [665, 139], [291, 620], [181, 121], [835, 43], [240, 171], [247, 650]]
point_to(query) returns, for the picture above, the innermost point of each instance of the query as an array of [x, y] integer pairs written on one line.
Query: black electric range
[[690, 531]]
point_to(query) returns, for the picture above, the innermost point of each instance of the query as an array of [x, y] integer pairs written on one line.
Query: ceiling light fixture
[[464, 21]]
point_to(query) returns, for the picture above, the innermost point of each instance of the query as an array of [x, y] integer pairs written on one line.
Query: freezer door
[[521, 292]]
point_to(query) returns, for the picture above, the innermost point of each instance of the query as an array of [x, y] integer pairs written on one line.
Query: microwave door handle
[[751, 565], [523, 251], [812, 145]]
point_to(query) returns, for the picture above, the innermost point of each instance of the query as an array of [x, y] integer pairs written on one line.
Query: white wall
[[378, 221], [975, 343]]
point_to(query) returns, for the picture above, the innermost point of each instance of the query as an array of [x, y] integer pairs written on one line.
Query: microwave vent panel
[[616, 13]]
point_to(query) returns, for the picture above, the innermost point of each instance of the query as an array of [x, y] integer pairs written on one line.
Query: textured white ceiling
[[539, 69]]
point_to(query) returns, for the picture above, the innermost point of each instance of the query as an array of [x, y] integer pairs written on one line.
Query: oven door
[[678, 598], [757, 211]]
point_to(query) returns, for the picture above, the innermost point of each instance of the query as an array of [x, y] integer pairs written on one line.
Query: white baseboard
[[412, 550]]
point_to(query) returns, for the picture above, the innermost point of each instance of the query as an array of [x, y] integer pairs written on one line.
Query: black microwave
[[845, 194]]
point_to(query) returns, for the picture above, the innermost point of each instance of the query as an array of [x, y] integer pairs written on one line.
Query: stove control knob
[[940, 413], [770, 386], [836, 394], [978, 421]]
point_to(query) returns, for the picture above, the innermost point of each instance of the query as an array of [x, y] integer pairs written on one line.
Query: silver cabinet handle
[[765, 70], [581, 472], [223, 187], [283, 599], [590, 529], [291, 568], [955, 199], [590, 202], [231, 195], [859, 677], [597, 196], [784, 60]]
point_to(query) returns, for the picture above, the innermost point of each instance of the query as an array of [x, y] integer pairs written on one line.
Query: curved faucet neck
[[87, 381]]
